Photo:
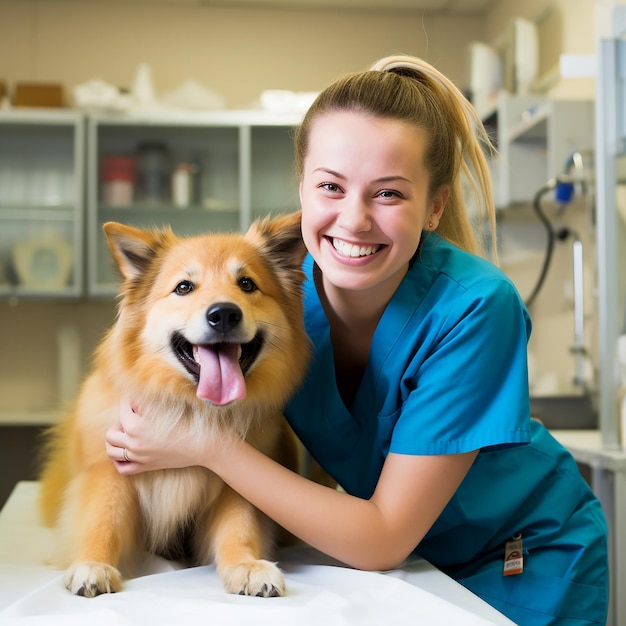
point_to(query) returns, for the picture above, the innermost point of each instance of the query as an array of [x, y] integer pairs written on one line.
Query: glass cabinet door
[[159, 172], [273, 186], [194, 172], [41, 203]]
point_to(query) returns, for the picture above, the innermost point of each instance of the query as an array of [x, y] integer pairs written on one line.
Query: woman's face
[[365, 202]]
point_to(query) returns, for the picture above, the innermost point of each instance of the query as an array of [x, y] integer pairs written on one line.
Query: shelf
[[231, 117], [532, 126], [29, 116], [29, 418], [38, 214], [165, 210], [20, 291], [535, 137]]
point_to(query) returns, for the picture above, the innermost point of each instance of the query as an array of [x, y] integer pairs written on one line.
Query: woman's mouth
[[353, 250]]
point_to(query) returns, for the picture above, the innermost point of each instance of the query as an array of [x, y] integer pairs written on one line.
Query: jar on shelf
[[154, 170], [117, 175]]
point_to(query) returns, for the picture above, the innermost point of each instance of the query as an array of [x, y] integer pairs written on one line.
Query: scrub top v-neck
[[429, 369]]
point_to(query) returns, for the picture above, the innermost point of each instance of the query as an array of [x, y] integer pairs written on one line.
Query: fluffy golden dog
[[208, 337]]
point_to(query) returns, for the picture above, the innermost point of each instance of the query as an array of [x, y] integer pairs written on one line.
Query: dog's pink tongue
[[221, 379]]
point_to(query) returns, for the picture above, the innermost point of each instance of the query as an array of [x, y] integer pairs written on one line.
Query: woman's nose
[[354, 215]]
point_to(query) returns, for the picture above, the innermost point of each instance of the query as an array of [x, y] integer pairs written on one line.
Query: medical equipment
[[564, 189]]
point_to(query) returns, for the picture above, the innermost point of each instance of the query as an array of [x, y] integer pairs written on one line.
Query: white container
[[182, 185]]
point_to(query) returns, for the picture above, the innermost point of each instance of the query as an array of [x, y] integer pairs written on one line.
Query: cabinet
[[41, 203], [534, 137], [233, 166], [53, 204]]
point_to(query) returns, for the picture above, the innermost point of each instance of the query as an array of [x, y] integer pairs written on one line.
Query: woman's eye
[[388, 193], [184, 287], [247, 284], [332, 187]]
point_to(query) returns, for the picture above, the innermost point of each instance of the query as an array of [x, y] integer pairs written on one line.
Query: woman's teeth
[[352, 250]]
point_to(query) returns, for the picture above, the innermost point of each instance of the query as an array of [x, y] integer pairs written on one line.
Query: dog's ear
[[281, 239], [133, 248]]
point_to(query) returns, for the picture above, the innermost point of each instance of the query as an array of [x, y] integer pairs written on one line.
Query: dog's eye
[[184, 287], [247, 284]]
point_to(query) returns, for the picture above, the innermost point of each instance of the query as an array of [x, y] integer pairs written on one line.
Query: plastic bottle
[[182, 185]]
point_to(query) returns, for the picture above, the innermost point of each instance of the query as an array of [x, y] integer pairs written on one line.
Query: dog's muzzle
[[220, 361]]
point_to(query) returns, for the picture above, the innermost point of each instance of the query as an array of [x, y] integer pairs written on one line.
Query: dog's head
[[219, 314]]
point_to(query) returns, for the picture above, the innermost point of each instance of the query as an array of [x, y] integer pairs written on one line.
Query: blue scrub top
[[447, 373]]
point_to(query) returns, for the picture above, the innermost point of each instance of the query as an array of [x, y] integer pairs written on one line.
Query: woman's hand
[[134, 445]]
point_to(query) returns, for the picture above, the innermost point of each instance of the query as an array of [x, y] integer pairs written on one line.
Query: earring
[[430, 224]]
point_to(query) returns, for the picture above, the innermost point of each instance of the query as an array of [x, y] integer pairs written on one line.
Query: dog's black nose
[[223, 317]]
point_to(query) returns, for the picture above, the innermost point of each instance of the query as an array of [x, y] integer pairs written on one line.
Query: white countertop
[[319, 590], [586, 447]]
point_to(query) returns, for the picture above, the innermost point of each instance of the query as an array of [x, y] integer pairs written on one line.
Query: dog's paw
[[90, 579], [255, 578]]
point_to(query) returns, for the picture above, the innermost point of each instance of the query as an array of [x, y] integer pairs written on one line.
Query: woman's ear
[[437, 206], [440, 200]]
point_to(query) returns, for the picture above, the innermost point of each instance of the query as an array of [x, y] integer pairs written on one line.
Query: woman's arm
[[374, 534]]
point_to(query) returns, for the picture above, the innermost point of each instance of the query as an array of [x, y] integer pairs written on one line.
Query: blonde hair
[[409, 89]]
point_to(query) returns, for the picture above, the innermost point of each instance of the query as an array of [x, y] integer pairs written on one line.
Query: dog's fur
[[213, 289]]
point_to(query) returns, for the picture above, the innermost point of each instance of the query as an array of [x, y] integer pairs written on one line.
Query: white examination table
[[320, 592]]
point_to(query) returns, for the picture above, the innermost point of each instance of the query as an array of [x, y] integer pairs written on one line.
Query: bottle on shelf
[[183, 185]]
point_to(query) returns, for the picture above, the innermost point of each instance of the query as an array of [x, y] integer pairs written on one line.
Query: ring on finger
[[126, 456]]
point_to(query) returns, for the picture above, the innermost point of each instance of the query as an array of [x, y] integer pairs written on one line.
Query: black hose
[[549, 186]]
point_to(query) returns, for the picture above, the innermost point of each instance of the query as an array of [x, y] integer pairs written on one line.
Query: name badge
[[513, 556]]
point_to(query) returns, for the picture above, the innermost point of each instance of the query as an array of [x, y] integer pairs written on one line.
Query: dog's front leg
[[239, 535], [103, 527]]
